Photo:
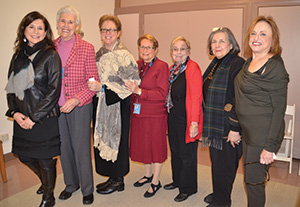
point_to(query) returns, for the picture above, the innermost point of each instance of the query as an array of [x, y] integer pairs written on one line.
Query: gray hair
[[69, 10], [235, 46]]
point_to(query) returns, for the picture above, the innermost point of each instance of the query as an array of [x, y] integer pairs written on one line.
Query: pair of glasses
[[267, 174], [108, 30], [146, 47], [216, 29], [179, 49]]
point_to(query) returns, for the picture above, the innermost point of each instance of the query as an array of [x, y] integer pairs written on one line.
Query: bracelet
[[140, 92]]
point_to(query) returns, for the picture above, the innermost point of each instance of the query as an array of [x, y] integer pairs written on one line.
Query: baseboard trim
[[9, 156]]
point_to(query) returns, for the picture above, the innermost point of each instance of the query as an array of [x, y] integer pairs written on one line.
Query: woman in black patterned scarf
[[221, 130]]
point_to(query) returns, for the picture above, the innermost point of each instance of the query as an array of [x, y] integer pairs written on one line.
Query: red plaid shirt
[[81, 65]]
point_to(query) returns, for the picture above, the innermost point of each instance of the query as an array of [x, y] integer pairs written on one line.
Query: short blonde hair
[[180, 38], [150, 38]]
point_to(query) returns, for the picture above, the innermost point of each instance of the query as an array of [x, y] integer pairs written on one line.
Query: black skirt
[[40, 142]]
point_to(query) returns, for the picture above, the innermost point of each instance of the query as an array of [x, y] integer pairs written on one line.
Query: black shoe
[[209, 198], [170, 186], [155, 188], [214, 205], [101, 185], [112, 187], [89, 199], [181, 197], [48, 203], [64, 195], [139, 184], [40, 190]]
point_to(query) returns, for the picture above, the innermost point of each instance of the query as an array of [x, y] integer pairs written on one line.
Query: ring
[[238, 141]]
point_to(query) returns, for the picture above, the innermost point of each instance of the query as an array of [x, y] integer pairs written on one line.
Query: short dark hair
[[30, 17], [275, 45], [235, 46]]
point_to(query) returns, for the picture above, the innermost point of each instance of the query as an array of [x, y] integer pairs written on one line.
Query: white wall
[[13, 11]]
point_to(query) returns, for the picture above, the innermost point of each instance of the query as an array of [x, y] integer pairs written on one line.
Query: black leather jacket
[[41, 100]]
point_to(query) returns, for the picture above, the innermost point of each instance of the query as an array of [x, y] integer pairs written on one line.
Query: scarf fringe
[[214, 143], [106, 152]]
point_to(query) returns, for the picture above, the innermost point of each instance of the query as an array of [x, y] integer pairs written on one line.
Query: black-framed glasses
[[108, 30], [267, 174]]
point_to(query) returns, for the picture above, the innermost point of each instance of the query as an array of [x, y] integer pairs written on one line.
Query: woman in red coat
[[184, 118], [148, 141]]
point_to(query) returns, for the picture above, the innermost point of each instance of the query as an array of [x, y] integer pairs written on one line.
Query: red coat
[[80, 66], [193, 98]]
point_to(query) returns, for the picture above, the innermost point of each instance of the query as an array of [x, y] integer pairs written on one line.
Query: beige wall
[[194, 19], [188, 24], [13, 11]]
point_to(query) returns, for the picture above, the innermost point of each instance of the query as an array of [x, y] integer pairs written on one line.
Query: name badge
[[136, 108]]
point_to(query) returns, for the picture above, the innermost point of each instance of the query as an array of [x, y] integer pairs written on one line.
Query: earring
[[25, 40]]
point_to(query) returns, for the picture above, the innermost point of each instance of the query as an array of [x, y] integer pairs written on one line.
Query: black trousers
[[224, 164], [183, 156], [254, 176]]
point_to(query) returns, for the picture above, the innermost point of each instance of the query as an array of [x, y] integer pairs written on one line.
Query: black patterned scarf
[[213, 108]]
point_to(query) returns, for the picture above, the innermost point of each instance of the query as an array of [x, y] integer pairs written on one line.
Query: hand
[[234, 138], [194, 129], [69, 105], [132, 86], [94, 86], [23, 121], [266, 157]]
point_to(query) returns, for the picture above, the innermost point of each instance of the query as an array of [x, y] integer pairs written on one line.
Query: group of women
[[52, 84]]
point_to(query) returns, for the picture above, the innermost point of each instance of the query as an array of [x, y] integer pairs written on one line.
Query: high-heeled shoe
[[139, 184], [155, 188]]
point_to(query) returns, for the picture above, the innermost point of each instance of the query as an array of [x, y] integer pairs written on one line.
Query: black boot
[[35, 167], [48, 173]]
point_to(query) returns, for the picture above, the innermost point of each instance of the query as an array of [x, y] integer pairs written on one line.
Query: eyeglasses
[[178, 49], [146, 47], [108, 30], [216, 29], [267, 174]]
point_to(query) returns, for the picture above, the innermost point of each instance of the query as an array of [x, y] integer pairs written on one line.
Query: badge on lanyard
[[136, 108]]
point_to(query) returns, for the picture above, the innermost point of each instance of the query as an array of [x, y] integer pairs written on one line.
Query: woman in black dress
[[32, 94]]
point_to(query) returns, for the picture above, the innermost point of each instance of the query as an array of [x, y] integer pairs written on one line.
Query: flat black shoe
[[181, 197], [112, 187], [155, 188], [139, 184], [101, 185], [64, 195], [170, 186], [89, 199], [40, 190], [209, 198], [214, 205]]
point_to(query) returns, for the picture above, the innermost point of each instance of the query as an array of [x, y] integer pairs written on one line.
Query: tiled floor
[[282, 191]]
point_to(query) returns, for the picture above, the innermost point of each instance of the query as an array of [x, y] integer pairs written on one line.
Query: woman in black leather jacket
[[33, 91]]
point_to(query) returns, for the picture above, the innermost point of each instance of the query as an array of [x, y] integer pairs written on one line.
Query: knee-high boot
[[35, 167], [48, 173]]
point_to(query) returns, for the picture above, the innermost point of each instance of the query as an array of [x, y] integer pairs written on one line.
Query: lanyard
[[147, 69], [172, 71]]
